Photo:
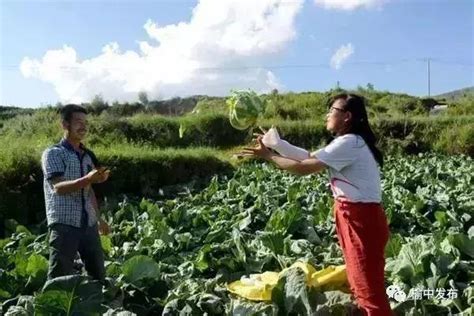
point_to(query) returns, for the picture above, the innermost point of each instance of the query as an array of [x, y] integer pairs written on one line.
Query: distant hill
[[456, 94]]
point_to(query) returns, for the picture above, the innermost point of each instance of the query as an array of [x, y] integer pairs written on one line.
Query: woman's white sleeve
[[288, 150], [272, 140]]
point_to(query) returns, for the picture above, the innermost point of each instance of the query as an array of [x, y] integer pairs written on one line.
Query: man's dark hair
[[68, 110]]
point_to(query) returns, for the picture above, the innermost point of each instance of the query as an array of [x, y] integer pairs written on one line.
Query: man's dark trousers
[[65, 241]]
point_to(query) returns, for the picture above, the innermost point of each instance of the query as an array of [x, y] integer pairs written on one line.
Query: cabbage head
[[244, 108]]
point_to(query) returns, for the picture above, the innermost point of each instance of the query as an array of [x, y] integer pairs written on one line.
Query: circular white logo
[[400, 296], [395, 292]]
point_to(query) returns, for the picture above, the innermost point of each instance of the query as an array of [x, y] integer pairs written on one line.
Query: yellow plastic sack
[[332, 276], [258, 287]]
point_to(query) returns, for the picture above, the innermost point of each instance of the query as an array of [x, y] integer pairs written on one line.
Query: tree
[[98, 104], [337, 89], [143, 98]]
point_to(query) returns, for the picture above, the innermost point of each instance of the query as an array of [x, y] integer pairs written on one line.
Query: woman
[[352, 159]]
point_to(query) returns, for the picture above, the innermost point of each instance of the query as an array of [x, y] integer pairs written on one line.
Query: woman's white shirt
[[353, 170]]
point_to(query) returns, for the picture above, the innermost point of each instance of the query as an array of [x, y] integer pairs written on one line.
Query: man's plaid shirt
[[76, 208]]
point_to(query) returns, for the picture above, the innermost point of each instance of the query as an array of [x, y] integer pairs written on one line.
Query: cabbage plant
[[244, 108]]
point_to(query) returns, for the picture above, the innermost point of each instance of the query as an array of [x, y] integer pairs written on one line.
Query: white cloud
[[349, 4], [201, 56], [341, 55]]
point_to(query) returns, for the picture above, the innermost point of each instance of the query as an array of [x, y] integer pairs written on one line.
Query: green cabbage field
[[175, 256]]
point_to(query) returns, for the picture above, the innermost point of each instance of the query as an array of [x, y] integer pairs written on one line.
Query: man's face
[[77, 127]]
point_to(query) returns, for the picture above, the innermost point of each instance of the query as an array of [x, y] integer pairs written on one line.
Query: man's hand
[[62, 186], [104, 228], [104, 173], [98, 175]]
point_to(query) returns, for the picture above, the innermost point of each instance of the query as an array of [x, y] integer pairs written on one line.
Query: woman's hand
[[262, 130], [260, 151]]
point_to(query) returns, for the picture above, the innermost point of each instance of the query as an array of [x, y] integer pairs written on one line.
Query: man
[[71, 207]]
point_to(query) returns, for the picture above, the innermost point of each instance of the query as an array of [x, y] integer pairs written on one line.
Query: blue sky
[[69, 51]]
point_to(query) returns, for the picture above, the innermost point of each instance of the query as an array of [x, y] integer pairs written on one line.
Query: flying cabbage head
[[244, 108]]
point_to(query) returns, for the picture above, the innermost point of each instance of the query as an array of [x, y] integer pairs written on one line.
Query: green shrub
[[44, 123], [396, 105], [463, 106], [291, 106], [20, 179], [142, 171], [456, 140], [213, 130], [210, 130]]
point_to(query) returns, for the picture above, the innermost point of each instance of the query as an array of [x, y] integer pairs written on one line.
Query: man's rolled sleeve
[[52, 163]]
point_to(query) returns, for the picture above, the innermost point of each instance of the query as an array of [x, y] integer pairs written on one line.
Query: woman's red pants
[[363, 232]]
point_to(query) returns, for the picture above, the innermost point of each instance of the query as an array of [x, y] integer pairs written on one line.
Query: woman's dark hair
[[67, 111], [360, 122]]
